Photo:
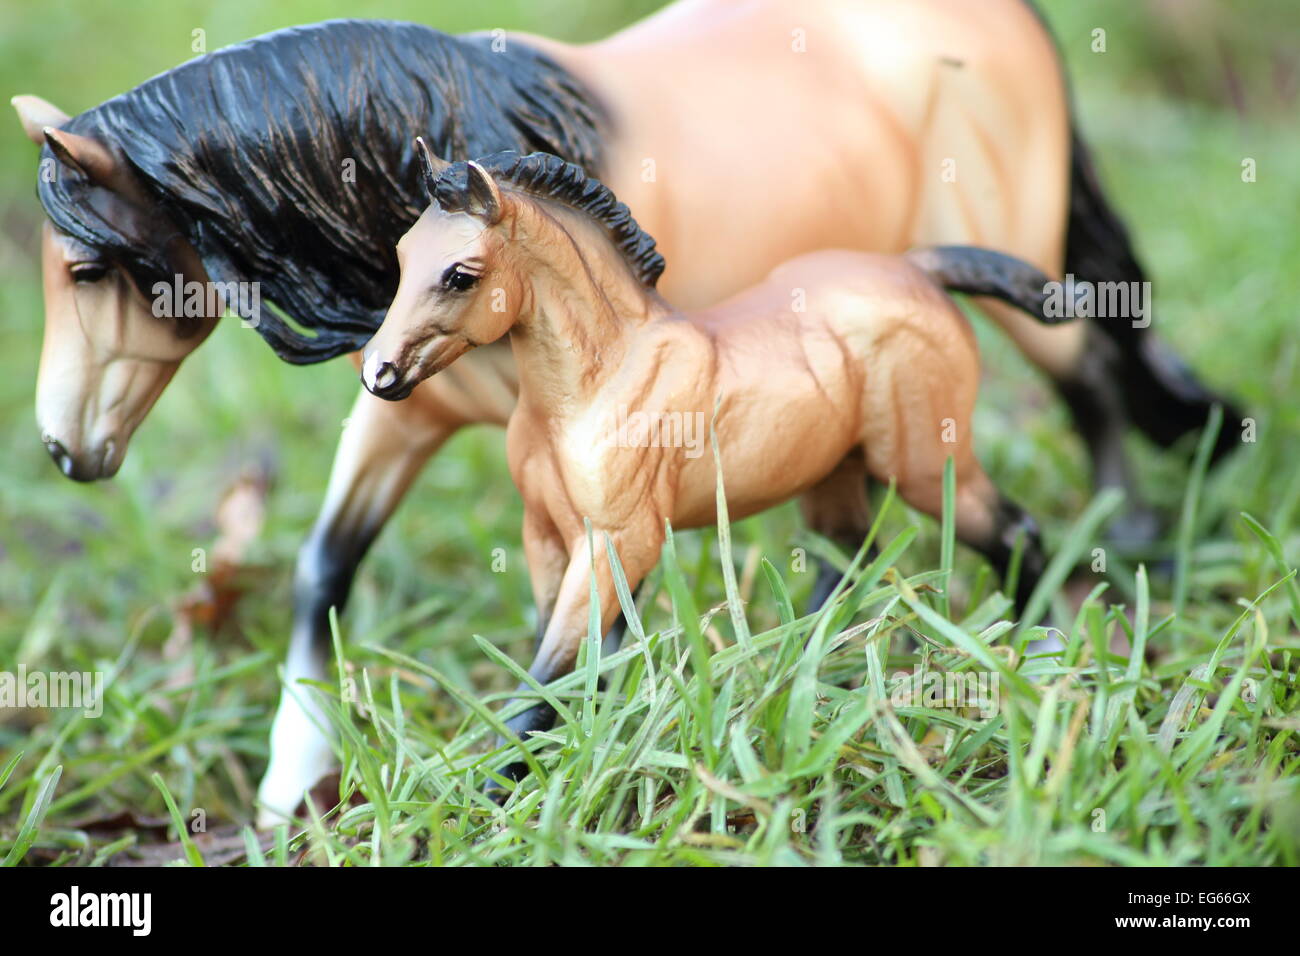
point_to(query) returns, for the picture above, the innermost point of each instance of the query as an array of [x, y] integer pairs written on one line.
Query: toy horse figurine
[[874, 363], [232, 167]]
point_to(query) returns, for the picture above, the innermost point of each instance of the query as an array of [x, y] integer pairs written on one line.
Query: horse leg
[[993, 524], [544, 551], [1083, 367], [567, 594], [1094, 398], [1156, 389], [382, 449], [838, 509], [1111, 371]]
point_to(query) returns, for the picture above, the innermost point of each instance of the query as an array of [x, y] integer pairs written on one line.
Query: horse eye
[[457, 279], [87, 272]]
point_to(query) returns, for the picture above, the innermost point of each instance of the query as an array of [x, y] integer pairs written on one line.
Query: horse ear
[[83, 154], [35, 114], [97, 162], [430, 165], [482, 197]]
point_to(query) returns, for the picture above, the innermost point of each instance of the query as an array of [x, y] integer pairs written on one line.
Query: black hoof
[[540, 717], [828, 578], [498, 792]]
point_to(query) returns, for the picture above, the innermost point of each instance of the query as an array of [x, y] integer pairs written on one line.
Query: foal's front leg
[[548, 559], [568, 597]]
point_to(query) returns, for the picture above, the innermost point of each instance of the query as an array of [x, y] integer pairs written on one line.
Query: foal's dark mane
[[549, 177], [248, 150]]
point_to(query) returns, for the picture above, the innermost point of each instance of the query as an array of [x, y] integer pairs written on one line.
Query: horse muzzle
[[92, 465]]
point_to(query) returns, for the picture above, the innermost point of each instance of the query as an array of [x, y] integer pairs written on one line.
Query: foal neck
[[583, 304]]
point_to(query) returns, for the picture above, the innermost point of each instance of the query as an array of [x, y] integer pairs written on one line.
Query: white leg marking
[[300, 752]]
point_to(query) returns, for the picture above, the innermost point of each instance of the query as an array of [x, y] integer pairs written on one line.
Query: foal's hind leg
[[918, 416], [986, 521], [383, 448], [838, 509], [994, 526]]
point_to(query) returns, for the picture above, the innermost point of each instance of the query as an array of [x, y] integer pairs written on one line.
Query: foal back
[[869, 353]]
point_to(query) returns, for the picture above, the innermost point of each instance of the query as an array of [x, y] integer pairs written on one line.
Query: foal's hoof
[[497, 791]]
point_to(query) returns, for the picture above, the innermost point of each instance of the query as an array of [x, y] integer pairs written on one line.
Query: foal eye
[[457, 279], [87, 272]]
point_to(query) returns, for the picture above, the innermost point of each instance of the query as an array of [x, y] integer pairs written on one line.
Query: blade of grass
[[182, 828], [1191, 500], [31, 825]]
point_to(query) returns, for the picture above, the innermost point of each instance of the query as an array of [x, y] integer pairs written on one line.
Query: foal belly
[[779, 433]]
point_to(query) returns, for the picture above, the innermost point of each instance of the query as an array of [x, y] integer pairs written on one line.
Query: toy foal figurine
[[836, 355]]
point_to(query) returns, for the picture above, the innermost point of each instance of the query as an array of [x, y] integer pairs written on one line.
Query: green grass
[[713, 744], [731, 730]]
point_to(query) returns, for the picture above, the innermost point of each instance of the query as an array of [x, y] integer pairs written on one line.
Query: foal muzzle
[[385, 380]]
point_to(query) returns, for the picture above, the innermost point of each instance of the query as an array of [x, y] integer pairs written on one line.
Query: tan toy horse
[[835, 359]]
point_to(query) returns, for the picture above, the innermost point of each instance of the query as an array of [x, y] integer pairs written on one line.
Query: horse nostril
[[66, 463], [60, 455]]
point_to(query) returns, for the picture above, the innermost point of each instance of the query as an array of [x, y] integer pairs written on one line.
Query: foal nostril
[[384, 379], [385, 376]]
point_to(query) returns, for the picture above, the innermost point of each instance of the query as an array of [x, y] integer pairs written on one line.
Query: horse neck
[[582, 308]]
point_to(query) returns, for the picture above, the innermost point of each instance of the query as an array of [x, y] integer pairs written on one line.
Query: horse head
[[106, 354]]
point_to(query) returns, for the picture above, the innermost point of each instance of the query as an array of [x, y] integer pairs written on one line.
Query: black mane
[[245, 149], [550, 177]]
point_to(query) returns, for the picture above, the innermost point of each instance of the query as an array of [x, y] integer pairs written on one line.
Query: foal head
[[457, 288], [499, 235]]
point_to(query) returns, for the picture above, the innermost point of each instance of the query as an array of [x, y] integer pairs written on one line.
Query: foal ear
[[35, 114], [482, 197], [430, 165]]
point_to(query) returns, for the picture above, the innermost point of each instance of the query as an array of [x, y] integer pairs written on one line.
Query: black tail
[[974, 271], [1160, 394]]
